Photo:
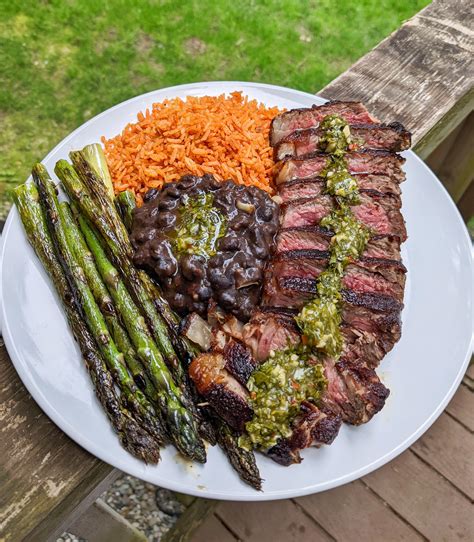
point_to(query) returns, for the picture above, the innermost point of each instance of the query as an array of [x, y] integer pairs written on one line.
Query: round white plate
[[422, 372]]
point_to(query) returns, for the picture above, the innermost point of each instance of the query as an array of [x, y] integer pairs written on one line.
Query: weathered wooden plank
[[461, 407], [353, 512], [437, 157], [448, 448], [212, 531], [457, 170], [270, 521], [424, 498], [421, 75], [41, 467], [196, 513], [101, 523], [466, 203]]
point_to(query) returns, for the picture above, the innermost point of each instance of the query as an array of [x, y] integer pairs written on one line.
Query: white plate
[[423, 370]]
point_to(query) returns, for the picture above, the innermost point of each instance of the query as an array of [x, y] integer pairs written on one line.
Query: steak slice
[[306, 188], [224, 393], [269, 331], [368, 162], [355, 390], [381, 214], [366, 275], [316, 238], [391, 137], [286, 123], [306, 211], [314, 426]]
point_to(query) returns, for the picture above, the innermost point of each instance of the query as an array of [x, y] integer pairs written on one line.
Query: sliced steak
[[379, 213], [269, 331], [367, 162], [366, 275], [286, 123], [316, 238], [313, 427], [390, 137], [224, 393], [315, 186], [356, 390], [305, 212]]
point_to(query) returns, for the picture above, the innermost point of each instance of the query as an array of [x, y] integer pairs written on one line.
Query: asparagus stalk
[[86, 261], [242, 460], [95, 157], [132, 437], [179, 420], [99, 212], [125, 204], [62, 237]]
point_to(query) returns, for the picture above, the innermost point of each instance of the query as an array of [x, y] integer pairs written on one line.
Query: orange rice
[[225, 136]]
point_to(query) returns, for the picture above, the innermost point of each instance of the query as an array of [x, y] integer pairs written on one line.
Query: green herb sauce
[[277, 389], [290, 376], [200, 226], [320, 319]]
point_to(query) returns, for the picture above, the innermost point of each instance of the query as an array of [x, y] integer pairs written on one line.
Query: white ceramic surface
[[423, 370]]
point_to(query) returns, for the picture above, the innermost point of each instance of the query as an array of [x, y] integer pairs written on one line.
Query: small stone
[[166, 503]]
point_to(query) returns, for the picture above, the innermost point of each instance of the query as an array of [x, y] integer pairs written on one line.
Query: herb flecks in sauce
[[320, 319], [291, 376], [200, 226], [277, 389]]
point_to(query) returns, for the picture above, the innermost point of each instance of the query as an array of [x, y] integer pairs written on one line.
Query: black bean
[[151, 195], [166, 219]]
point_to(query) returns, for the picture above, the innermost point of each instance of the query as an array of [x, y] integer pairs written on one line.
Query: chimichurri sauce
[[200, 226], [277, 389], [293, 375], [320, 319]]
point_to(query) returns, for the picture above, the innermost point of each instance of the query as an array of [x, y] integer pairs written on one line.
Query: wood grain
[[353, 512], [424, 499], [270, 522], [422, 75], [461, 407], [40, 467], [448, 448], [212, 531]]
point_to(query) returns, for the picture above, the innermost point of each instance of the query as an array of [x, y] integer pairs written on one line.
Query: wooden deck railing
[[422, 75]]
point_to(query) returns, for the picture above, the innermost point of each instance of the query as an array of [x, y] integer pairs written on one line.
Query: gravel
[[152, 510]]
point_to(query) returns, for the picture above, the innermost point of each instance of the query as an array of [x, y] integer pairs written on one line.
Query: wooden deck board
[[421, 75], [461, 407], [424, 498], [448, 448], [213, 531], [270, 522], [353, 512]]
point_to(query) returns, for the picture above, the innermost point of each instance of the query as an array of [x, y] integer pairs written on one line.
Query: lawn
[[65, 61]]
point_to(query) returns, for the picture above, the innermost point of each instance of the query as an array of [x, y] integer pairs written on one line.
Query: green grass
[[65, 61]]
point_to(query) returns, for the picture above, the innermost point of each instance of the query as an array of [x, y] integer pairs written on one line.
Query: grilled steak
[[373, 285], [380, 213], [365, 161], [306, 188], [391, 137], [297, 119], [316, 238]]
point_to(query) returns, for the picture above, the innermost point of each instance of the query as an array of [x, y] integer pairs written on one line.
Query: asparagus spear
[[125, 204], [132, 437], [180, 422], [242, 460], [86, 261], [99, 212], [63, 239]]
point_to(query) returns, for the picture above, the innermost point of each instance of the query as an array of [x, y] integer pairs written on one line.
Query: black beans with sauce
[[233, 272]]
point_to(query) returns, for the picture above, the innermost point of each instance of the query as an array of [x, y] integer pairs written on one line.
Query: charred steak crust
[[239, 360], [301, 143], [230, 407]]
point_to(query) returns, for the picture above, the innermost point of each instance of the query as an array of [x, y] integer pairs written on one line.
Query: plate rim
[[183, 487]]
